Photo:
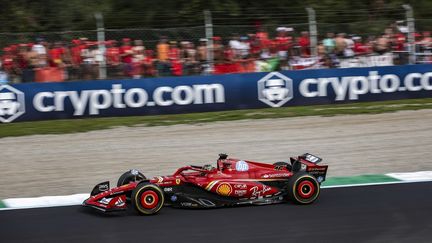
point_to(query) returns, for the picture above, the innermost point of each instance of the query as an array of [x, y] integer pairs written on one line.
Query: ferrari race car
[[232, 182]]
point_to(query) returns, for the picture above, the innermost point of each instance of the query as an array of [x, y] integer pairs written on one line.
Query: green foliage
[[56, 15], [90, 124]]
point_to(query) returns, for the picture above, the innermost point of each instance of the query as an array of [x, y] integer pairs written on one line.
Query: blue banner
[[168, 95]]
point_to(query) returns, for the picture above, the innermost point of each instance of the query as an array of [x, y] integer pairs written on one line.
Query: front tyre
[[147, 198], [303, 188], [130, 176]]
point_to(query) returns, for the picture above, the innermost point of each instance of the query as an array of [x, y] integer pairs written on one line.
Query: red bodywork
[[233, 179]]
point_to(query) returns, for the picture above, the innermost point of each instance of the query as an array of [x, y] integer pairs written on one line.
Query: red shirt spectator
[[7, 60], [112, 53], [76, 52], [399, 42], [359, 47], [56, 55], [126, 51], [22, 57], [174, 57], [304, 44]]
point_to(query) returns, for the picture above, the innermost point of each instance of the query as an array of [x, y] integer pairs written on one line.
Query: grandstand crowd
[[81, 58]]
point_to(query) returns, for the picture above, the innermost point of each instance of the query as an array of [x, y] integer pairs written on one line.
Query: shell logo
[[224, 189]]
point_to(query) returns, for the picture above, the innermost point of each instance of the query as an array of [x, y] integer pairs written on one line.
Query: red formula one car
[[232, 182]]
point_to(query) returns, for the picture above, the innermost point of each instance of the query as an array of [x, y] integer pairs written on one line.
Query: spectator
[[174, 58], [148, 64], [202, 55], [25, 63], [163, 65], [254, 44], [359, 47], [113, 59], [247, 53], [263, 38], [190, 60], [218, 50], [349, 49], [57, 55], [235, 45], [126, 55], [329, 42], [76, 59], [304, 43], [426, 42], [340, 45], [8, 63], [283, 42], [41, 52], [382, 44], [138, 58], [243, 48], [89, 62], [3, 76], [98, 58]]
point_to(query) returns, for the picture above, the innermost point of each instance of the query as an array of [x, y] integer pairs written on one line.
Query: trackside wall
[[168, 95]]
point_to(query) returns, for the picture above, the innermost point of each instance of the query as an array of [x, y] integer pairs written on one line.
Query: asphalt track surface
[[384, 213]]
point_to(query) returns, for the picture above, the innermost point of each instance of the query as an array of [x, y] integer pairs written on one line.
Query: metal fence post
[[313, 33], [411, 32], [209, 36], [101, 44]]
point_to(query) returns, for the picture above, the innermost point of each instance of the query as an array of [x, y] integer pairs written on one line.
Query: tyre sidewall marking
[[162, 199], [295, 188]]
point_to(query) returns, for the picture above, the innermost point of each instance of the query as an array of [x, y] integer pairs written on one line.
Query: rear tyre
[[147, 198], [130, 176], [303, 188]]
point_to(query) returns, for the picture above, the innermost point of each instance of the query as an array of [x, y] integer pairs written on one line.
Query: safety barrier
[[44, 101]]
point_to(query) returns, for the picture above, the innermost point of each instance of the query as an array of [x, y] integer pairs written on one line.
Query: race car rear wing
[[311, 158], [309, 163]]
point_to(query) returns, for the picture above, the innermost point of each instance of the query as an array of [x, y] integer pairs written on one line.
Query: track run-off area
[[50, 165], [378, 213]]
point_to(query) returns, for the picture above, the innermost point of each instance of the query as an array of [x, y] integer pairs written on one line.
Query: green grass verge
[[90, 124], [2, 205]]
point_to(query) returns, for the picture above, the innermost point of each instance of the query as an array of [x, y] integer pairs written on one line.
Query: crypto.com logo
[[12, 103], [275, 89]]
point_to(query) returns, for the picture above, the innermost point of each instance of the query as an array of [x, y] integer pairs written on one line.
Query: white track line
[[77, 199]]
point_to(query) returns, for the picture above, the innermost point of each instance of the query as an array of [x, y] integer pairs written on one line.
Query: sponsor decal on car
[[275, 175], [120, 202], [258, 191], [224, 189], [240, 192], [103, 187], [188, 204], [178, 181], [242, 166], [240, 186], [168, 189]]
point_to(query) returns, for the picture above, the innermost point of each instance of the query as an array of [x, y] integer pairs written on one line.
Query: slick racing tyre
[[303, 188], [129, 176], [147, 198]]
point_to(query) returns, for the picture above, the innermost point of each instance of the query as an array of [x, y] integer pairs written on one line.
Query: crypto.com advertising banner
[[43, 101]]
